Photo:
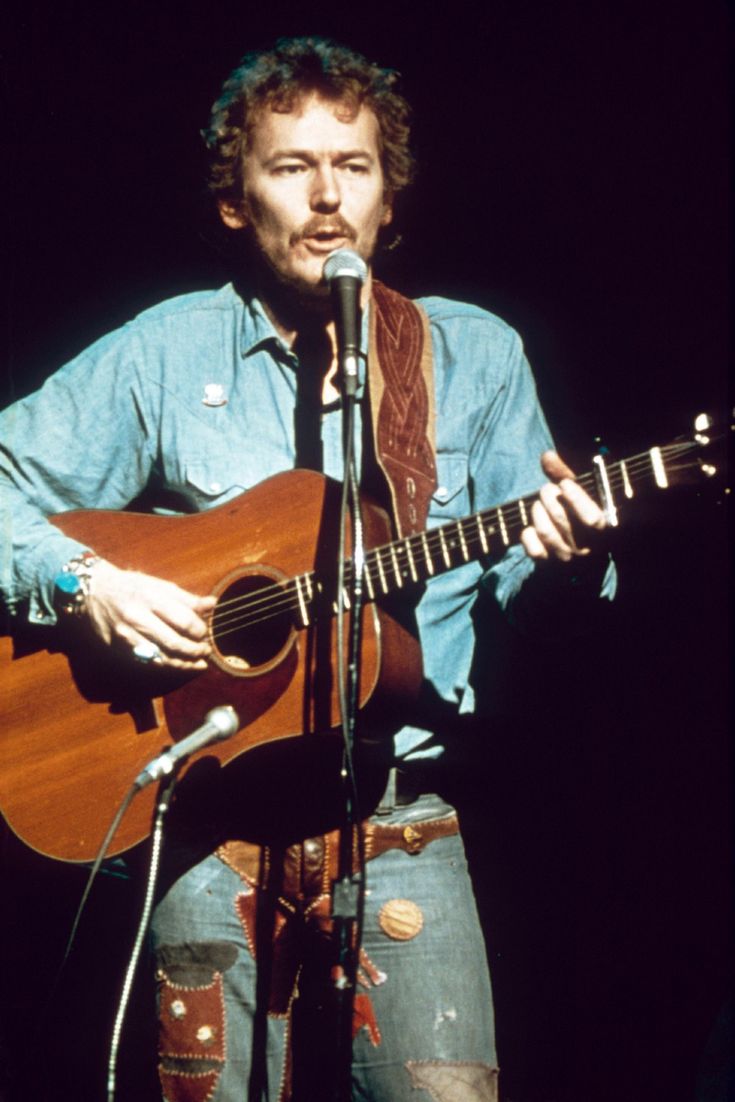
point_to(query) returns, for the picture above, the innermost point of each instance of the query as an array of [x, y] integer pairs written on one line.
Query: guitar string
[[508, 509], [616, 478], [279, 599], [286, 599]]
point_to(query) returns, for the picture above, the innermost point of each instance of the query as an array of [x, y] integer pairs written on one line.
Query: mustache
[[333, 223]]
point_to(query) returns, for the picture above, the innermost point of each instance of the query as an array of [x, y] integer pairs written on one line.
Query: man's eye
[[356, 168], [289, 169]]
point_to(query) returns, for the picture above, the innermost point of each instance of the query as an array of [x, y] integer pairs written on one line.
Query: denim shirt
[[197, 396]]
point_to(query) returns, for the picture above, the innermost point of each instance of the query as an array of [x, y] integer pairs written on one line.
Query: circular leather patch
[[401, 919]]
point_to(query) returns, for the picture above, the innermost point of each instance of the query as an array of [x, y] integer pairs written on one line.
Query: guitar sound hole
[[252, 622]]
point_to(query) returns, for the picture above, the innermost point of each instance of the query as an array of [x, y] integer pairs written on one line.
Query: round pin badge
[[401, 919]]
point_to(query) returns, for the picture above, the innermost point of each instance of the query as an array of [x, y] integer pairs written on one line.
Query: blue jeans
[[423, 1009]]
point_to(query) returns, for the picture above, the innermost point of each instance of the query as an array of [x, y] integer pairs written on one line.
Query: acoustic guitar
[[79, 720]]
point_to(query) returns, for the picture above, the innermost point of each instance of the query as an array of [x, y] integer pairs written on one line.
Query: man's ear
[[387, 216], [232, 214]]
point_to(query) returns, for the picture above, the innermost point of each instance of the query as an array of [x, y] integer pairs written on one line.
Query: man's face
[[313, 182]]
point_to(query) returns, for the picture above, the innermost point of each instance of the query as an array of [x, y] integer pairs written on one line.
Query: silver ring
[[145, 651]]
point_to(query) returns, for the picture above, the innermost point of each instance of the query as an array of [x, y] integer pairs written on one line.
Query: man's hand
[[561, 515], [126, 608]]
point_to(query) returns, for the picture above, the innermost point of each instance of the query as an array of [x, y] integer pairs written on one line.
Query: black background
[[574, 179]]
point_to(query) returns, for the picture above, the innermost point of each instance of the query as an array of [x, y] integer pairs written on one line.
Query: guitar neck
[[404, 563], [417, 558]]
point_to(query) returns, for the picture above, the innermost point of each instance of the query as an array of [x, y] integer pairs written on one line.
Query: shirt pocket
[[212, 481], [451, 499]]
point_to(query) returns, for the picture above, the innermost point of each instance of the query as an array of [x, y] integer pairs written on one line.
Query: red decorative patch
[[369, 973], [192, 1020], [182, 1087], [364, 1016]]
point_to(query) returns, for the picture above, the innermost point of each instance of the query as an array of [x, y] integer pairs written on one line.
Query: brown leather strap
[[401, 380]]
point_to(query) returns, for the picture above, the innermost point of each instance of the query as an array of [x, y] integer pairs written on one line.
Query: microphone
[[345, 271], [219, 724]]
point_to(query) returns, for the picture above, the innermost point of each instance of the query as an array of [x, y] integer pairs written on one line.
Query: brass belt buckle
[[413, 839]]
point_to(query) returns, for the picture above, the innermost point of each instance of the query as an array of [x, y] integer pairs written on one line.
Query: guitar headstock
[[703, 455], [697, 458]]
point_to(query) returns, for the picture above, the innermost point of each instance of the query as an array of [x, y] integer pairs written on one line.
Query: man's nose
[[325, 194]]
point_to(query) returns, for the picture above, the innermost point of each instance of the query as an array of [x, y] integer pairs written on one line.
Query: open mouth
[[323, 237], [326, 237]]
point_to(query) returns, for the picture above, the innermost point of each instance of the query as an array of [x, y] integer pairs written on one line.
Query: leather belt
[[309, 866], [410, 837]]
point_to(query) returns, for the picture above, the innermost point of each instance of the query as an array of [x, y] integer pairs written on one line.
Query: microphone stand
[[348, 891]]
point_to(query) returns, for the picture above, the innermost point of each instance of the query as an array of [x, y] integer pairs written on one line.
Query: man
[[207, 395]]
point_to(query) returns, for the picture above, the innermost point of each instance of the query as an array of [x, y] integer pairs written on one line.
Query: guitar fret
[[605, 491], [302, 604], [369, 582], [427, 554], [444, 549], [396, 567], [309, 587], [411, 562], [523, 512], [481, 533], [627, 488], [381, 572], [659, 470], [503, 529], [462, 541]]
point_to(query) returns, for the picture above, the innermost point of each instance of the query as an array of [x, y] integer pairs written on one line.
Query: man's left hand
[[564, 517]]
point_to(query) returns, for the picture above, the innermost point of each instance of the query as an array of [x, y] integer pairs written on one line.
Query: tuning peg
[[702, 422]]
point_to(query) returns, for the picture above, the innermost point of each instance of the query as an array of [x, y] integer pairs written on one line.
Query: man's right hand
[[126, 608]]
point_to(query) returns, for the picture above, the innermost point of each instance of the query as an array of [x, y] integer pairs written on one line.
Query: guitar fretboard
[[418, 558]]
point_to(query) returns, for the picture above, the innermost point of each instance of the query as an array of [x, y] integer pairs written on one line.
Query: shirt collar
[[258, 331]]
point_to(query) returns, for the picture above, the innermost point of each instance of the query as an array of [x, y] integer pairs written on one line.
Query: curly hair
[[278, 78]]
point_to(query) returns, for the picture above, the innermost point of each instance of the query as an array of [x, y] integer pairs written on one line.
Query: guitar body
[[80, 720]]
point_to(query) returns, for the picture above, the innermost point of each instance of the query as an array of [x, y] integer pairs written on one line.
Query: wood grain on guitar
[[80, 721]]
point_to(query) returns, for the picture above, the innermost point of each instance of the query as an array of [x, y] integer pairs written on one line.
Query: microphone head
[[225, 719], [344, 262]]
